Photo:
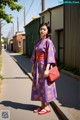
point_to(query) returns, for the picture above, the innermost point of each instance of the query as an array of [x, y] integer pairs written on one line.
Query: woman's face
[[43, 31]]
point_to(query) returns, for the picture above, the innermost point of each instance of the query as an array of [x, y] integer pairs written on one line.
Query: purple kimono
[[42, 89]]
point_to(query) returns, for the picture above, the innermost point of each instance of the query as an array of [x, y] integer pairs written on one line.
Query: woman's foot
[[37, 110], [44, 111]]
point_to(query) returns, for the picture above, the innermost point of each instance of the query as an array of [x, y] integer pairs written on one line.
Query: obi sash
[[40, 56]]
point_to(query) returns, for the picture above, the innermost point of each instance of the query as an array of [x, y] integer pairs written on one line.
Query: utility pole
[[13, 29], [43, 5], [17, 24], [24, 16], [0, 36]]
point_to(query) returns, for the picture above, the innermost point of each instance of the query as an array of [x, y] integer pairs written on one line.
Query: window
[[60, 46], [19, 43]]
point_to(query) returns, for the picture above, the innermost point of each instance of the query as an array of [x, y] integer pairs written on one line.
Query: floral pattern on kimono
[[42, 89]]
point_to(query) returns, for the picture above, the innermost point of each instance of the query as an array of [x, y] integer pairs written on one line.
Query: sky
[[33, 8]]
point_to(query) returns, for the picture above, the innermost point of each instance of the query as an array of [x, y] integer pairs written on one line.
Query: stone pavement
[[68, 89]]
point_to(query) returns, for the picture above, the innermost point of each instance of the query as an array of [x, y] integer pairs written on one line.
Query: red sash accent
[[40, 56]]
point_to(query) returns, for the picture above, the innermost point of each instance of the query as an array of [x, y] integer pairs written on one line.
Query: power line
[[30, 7], [28, 11], [25, 1], [39, 8]]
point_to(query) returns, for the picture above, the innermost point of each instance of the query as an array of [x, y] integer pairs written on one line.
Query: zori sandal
[[44, 111], [37, 110]]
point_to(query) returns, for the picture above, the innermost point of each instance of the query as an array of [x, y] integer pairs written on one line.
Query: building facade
[[54, 17], [72, 35], [18, 42], [10, 45], [32, 34]]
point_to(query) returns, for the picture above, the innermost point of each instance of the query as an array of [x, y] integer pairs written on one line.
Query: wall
[[72, 35], [46, 17], [18, 42], [56, 21], [32, 34], [56, 24]]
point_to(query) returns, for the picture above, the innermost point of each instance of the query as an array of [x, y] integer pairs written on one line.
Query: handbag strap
[[47, 53]]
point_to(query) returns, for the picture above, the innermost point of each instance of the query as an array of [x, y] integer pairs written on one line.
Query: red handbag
[[53, 74]]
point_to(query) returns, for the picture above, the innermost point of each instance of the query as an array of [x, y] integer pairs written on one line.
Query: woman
[[42, 59]]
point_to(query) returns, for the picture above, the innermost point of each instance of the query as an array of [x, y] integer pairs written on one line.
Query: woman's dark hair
[[44, 24], [48, 27]]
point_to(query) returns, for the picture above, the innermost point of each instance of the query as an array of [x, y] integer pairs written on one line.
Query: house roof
[[49, 9], [20, 32], [32, 21]]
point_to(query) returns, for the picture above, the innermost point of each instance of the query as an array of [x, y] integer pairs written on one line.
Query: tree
[[12, 4], [4, 40]]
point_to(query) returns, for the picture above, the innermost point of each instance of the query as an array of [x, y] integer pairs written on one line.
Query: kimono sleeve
[[51, 53]]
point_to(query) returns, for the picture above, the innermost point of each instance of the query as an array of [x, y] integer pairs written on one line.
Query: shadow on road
[[16, 105], [68, 91], [24, 61]]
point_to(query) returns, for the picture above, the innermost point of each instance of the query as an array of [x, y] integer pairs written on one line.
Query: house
[[31, 32], [10, 45], [54, 17], [72, 35], [64, 22], [24, 46], [18, 41]]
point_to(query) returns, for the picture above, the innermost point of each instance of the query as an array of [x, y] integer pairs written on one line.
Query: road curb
[[70, 74], [65, 115], [61, 111]]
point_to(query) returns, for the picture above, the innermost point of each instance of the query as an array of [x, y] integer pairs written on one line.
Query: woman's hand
[[46, 73]]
